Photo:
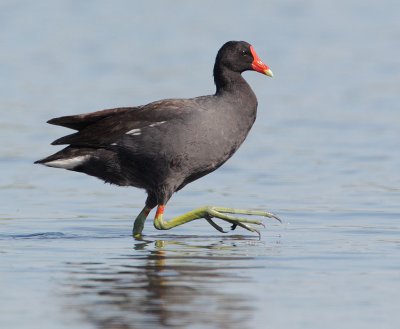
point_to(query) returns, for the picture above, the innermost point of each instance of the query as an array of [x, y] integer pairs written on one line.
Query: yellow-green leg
[[212, 212], [139, 222]]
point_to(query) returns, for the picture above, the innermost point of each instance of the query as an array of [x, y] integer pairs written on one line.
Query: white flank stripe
[[135, 131], [157, 123], [70, 163]]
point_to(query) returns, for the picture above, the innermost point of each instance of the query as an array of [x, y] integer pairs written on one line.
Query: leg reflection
[[174, 283]]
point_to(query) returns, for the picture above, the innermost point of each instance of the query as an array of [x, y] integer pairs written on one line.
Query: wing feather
[[81, 121], [103, 128]]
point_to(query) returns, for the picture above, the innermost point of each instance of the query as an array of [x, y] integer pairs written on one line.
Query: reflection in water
[[165, 283]]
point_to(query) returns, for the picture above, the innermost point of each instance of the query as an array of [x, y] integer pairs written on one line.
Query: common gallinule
[[164, 145]]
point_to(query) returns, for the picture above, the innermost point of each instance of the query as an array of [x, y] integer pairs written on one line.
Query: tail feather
[[68, 158]]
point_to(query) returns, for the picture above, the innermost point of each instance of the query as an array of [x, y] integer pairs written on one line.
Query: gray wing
[[106, 127]]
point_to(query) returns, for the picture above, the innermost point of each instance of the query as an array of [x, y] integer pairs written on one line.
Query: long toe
[[215, 225]]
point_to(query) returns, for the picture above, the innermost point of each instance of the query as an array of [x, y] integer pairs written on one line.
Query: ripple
[[44, 235]]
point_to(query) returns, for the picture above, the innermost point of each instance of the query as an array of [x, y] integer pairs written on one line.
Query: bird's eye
[[244, 53]]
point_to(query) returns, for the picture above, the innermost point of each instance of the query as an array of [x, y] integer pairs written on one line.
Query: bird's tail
[[68, 158]]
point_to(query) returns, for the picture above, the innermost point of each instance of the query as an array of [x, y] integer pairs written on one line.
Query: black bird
[[167, 144]]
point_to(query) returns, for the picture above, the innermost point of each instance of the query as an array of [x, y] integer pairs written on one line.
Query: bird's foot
[[209, 212], [226, 215]]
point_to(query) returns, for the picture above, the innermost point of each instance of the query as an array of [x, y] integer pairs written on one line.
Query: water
[[323, 155]]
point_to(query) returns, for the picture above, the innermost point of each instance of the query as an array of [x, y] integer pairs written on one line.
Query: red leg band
[[160, 210]]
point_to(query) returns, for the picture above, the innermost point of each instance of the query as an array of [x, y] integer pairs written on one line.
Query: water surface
[[323, 155]]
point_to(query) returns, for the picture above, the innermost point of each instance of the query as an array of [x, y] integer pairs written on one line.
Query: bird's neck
[[229, 81], [233, 88]]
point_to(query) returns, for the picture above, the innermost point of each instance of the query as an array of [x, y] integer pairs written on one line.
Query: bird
[[165, 145]]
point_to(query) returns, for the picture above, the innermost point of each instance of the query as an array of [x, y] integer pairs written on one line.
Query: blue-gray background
[[324, 155]]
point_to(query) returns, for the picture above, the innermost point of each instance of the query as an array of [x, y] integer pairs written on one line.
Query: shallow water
[[323, 155]]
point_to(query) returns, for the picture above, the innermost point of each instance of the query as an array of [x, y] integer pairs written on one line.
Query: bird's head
[[240, 56]]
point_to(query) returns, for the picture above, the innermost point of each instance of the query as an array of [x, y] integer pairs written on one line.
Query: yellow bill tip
[[269, 73]]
